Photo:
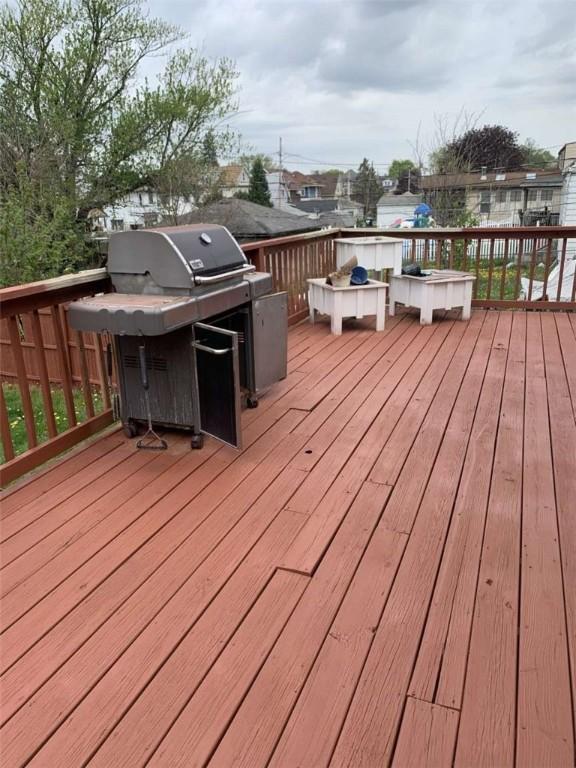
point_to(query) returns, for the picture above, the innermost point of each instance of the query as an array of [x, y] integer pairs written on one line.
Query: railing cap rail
[[22, 298]]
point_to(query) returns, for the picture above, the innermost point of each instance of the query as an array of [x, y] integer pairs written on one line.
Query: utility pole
[[280, 174]]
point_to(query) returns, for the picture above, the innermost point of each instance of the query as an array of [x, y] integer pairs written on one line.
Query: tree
[[535, 157], [368, 188], [408, 181], [398, 167], [247, 161], [258, 191], [73, 117], [491, 146]]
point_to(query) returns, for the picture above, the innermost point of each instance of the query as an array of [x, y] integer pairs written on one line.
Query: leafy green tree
[[368, 188], [247, 161], [539, 158], [258, 191], [398, 167], [72, 114]]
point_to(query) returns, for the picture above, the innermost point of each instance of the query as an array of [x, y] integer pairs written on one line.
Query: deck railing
[[42, 358]]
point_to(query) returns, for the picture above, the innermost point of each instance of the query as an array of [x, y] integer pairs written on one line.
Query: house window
[[515, 195], [532, 195], [485, 198], [150, 197], [501, 196], [546, 195], [140, 198], [117, 225]]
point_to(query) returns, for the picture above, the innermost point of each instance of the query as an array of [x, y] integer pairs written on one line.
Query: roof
[[406, 198], [249, 221], [544, 177], [317, 204], [229, 174]]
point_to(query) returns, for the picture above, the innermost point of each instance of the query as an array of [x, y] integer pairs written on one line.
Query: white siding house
[[142, 208]]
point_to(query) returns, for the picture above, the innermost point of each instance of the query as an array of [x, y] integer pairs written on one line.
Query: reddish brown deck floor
[[386, 575]]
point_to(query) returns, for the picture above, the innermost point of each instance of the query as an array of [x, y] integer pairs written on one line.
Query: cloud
[[340, 79]]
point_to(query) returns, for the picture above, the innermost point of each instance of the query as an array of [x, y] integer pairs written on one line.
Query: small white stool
[[352, 301], [441, 289]]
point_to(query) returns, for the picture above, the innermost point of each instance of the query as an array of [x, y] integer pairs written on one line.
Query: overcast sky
[[340, 80]]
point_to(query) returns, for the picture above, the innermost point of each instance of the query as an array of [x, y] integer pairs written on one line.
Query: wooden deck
[[386, 575]]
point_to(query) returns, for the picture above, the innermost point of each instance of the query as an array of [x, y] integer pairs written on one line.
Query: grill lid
[[175, 256]]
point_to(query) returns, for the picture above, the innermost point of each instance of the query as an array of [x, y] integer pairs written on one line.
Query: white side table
[[353, 301], [442, 289], [373, 253]]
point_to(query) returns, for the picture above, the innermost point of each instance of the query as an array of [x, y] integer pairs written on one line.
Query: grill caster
[[197, 442], [130, 429], [252, 402]]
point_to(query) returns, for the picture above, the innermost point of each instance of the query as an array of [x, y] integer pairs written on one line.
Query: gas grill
[[195, 327]]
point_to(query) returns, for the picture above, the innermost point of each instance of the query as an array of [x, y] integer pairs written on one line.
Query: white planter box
[[443, 289], [353, 301], [375, 253]]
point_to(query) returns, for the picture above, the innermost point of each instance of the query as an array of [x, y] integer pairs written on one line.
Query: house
[[526, 196], [248, 221], [233, 179], [144, 207], [567, 155], [391, 208], [346, 184]]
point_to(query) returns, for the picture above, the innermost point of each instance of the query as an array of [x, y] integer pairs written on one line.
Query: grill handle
[[211, 350], [223, 275]]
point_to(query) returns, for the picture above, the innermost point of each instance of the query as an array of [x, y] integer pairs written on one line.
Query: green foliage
[[538, 158], [74, 118], [258, 191], [398, 167], [247, 161], [39, 235], [368, 188]]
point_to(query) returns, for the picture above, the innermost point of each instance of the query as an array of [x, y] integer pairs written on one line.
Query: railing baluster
[[547, 269], [465, 255], [43, 374], [5, 428], [439, 245], [477, 281], [426, 252], [490, 268], [84, 375], [519, 267], [64, 366], [504, 268], [561, 264], [532, 266], [23, 386], [413, 250]]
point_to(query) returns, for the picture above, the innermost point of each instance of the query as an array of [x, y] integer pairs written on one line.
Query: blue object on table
[[359, 276], [422, 210]]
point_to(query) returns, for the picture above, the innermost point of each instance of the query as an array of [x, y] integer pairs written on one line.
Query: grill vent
[[152, 363]]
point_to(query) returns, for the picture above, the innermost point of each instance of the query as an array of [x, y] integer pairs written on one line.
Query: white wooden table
[[353, 301], [442, 289], [373, 253]]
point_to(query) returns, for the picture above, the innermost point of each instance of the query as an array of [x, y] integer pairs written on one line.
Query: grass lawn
[[16, 414]]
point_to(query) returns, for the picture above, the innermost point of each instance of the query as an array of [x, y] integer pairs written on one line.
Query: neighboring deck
[[385, 575]]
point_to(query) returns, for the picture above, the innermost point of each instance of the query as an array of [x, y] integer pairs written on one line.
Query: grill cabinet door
[[218, 378], [270, 340]]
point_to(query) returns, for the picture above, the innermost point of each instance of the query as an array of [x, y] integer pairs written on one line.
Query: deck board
[[384, 575]]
